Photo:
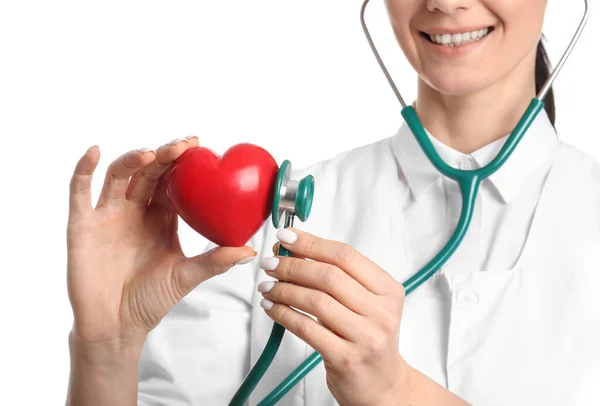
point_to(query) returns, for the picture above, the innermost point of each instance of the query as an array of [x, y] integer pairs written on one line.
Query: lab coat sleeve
[[200, 352]]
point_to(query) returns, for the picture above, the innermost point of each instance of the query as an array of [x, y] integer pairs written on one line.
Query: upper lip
[[457, 30]]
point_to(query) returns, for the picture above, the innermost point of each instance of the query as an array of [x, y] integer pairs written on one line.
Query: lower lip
[[457, 51]]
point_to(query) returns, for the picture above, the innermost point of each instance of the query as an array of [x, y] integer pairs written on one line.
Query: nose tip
[[447, 6]]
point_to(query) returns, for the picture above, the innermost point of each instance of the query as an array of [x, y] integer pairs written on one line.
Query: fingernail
[[268, 263], [189, 137], [144, 150], [266, 304], [287, 236], [245, 260], [266, 286], [176, 140]]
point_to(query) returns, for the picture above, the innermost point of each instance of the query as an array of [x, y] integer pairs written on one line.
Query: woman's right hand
[[125, 266]]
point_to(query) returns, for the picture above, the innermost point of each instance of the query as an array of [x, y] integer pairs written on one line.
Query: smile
[[457, 39]]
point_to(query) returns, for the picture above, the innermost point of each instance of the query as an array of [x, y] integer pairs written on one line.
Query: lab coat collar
[[538, 144]]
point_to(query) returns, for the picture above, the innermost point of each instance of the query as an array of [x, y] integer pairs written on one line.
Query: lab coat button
[[464, 163], [467, 297]]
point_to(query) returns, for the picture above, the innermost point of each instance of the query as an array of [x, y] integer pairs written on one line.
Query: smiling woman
[[480, 72], [509, 316]]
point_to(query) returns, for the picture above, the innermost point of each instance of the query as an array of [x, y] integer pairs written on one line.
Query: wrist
[[398, 393], [415, 388], [103, 372], [106, 353]]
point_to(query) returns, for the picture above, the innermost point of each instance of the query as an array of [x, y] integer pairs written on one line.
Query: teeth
[[454, 40]]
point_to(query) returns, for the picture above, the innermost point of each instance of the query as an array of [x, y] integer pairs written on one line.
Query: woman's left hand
[[358, 306]]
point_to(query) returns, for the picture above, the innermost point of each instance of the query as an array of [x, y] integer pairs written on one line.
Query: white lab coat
[[508, 321]]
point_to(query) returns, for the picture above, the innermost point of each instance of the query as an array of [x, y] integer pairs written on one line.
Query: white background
[[297, 78]]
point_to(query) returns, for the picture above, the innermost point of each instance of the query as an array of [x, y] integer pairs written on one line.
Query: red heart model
[[225, 199]]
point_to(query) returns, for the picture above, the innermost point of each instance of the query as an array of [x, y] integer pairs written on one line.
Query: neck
[[467, 123]]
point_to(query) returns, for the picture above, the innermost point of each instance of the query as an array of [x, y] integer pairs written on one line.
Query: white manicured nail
[[266, 286], [266, 304], [268, 263], [287, 236], [245, 260], [144, 150], [176, 140], [189, 137]]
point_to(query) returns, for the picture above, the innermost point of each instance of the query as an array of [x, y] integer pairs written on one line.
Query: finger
[[160, 197], [360, 268], [325, 342], [118, 174], [173, 219], [144, 182], [276, 251], [80, 195], [190, 272], [319, 304], [324, 277]]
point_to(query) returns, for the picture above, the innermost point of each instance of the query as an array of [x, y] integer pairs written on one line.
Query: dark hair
[[542, 73]]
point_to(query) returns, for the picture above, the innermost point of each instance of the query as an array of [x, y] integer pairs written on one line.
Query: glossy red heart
[[226, 199]]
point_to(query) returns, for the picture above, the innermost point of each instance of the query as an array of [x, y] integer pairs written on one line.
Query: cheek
[[521, 29], [400, 13], [522, 26]]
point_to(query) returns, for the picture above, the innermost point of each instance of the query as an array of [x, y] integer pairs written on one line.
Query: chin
[[455, 85]]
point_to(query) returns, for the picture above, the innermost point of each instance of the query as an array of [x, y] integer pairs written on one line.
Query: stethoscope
[[294, 198]]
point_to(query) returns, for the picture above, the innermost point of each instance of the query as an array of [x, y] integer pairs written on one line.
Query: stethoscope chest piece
[[291, 196]]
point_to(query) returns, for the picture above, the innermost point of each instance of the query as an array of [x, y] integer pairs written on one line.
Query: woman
[[512, 318]]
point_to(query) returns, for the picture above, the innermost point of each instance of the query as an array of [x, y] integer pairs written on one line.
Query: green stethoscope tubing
[[468, 181], [301, 208]]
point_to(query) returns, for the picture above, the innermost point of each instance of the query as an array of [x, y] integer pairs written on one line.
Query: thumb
[[190, 272]]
